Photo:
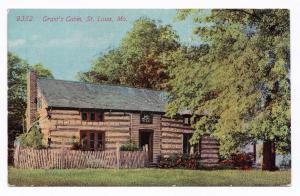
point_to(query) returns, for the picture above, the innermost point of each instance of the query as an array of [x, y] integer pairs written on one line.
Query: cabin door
[[146, 137]]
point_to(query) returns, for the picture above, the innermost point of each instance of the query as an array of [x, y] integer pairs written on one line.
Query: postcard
[[149, 97]]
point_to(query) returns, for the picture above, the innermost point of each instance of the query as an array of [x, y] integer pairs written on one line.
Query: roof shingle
[[70, 94]]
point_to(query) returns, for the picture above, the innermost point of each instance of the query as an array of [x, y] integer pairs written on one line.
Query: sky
[[64, 44]]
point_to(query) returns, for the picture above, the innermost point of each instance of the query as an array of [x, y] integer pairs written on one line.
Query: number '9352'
[[24, 18]]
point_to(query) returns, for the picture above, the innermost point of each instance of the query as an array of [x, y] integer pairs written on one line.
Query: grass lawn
[[145, 177]]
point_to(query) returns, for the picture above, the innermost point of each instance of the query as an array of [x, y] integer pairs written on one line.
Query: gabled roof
[[70, 94]]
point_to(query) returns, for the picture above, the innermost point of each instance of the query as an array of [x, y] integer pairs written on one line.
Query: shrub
[[179, 161], [75, 144], [32, 139], [129, 146], [239, 161]]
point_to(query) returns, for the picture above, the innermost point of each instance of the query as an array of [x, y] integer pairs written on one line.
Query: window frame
[[89, 115], [86, 116], [86, 145], [97, 116], [144, 114]]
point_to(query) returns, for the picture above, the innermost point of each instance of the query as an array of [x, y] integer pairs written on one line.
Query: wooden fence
[[68, 159]]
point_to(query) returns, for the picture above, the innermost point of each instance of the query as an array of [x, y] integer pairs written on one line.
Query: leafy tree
[[42, 72], [241, 86], [17, 70], [138, 61]]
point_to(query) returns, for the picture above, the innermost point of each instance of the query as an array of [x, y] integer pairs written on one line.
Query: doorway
[[146, 137]]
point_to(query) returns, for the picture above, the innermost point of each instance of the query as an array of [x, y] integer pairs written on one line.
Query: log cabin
[[100, 115]]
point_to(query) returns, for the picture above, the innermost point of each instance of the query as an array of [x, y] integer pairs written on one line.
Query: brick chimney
[[31, 98]]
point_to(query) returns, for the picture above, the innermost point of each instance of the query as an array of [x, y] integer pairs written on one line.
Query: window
[[84, 116], [187, 146], [187, 120], [100, 116], [92, 116], [146, 118], [83, 140], [92, 143], [100, 143], [92, 140]]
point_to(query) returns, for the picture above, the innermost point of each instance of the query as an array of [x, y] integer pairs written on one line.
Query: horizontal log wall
[[44, 121], [136, 127], [119, 127], [172, 135], [67, 159], [65, 124], [209, 151]]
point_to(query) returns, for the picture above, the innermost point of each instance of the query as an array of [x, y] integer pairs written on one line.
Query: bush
[[32, 139], [75, 144], [129, 146], [239, 161], [179, 161]]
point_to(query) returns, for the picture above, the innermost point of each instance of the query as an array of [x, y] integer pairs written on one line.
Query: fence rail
[[68, 159]]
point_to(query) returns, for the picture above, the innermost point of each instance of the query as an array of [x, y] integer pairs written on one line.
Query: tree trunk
[[269, 156]]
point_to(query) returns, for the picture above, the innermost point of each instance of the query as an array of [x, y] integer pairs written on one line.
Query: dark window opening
[[100, 116], [146, 118], [92, 140], [84, 115], [100, 138], [92, 116], [186, 148], [186, 144], [92, 143], [83, 140]]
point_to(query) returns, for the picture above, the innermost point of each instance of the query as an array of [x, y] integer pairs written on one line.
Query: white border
[[294, 7]]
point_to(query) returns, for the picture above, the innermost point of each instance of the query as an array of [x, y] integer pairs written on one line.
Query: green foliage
[[75, 143], [16, 75], [243, 80], [32, 139], [42, 72], [129, 146], [179, 161], [239, 161], [138, 61]]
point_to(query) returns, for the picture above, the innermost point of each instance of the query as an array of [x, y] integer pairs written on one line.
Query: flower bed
[[179, 161], [239, 161]]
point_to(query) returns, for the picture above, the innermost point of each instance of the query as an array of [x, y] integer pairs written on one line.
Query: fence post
[[63, 155], [146, 154], [118, 154], [192, 150], [16, 155]]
